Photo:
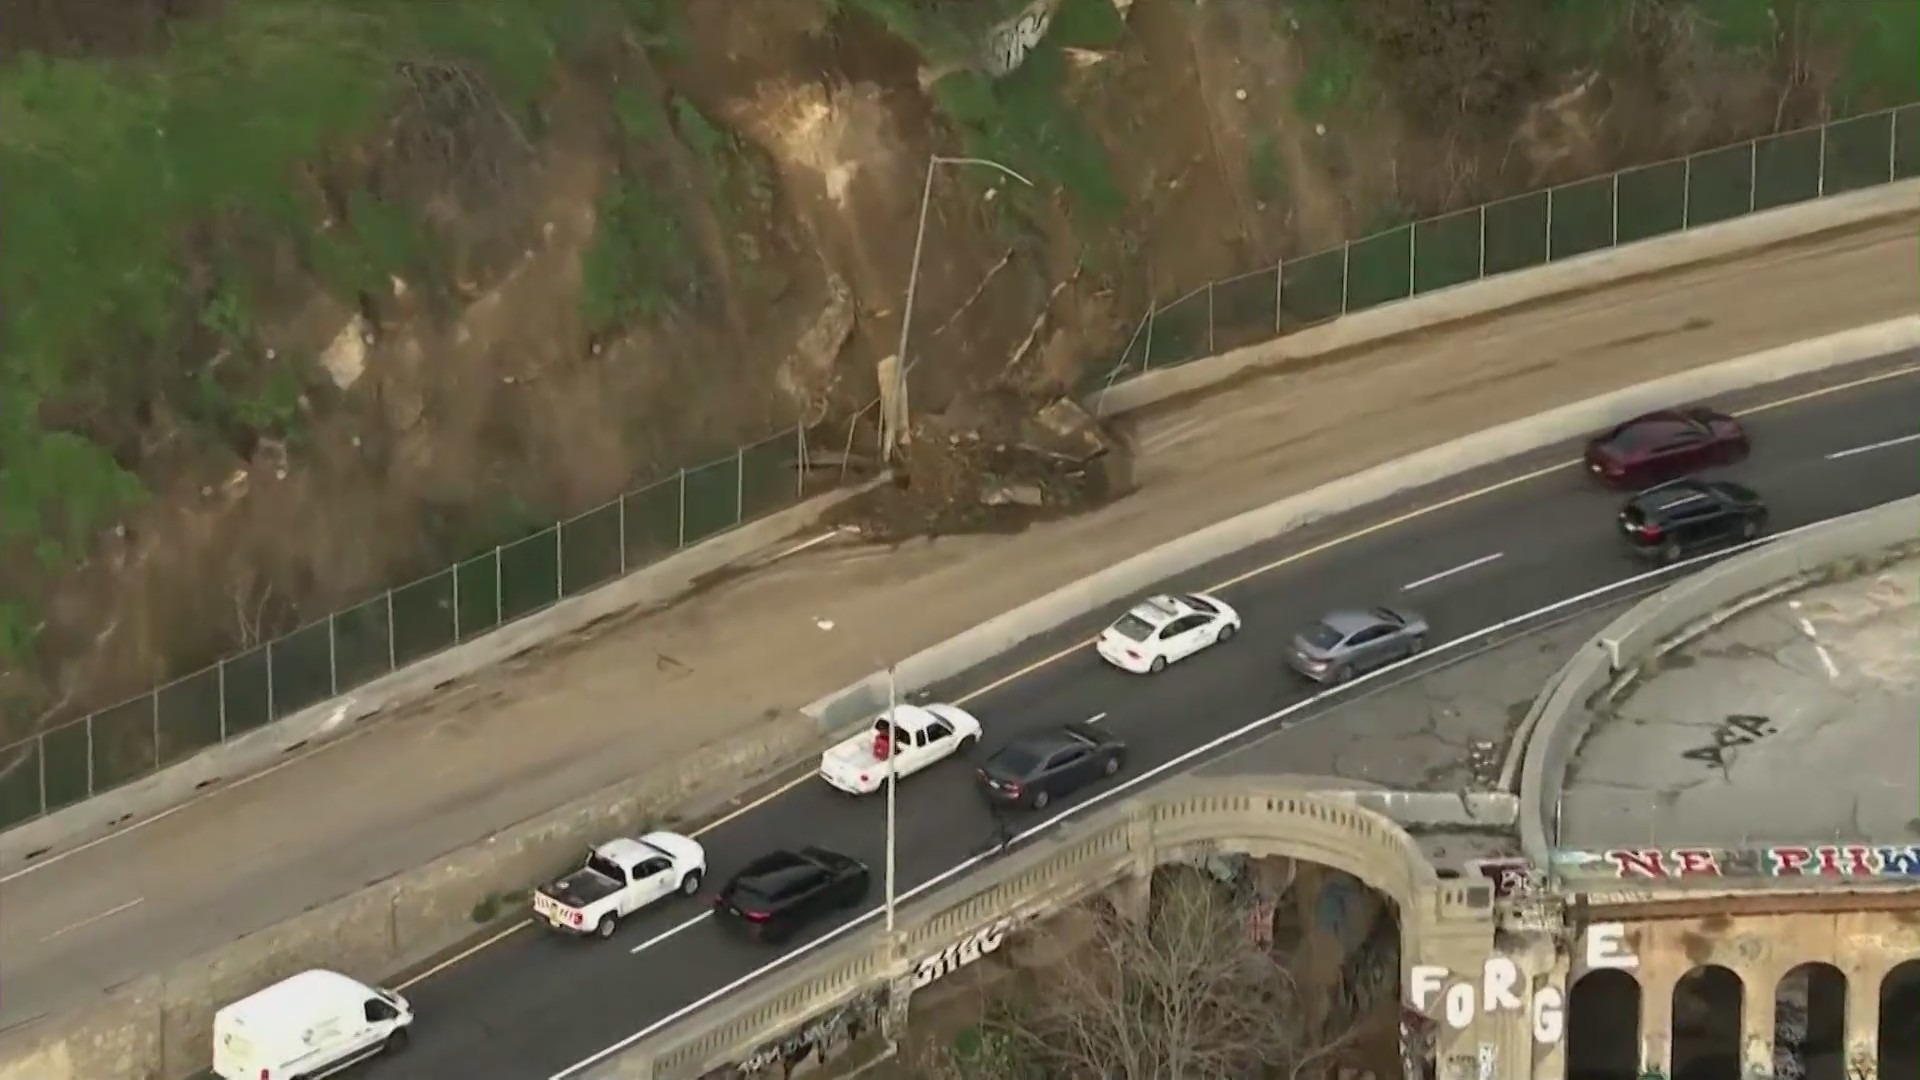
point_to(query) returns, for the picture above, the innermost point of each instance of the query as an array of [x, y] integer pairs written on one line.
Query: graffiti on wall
[[1501, 982], [820, 1038], [1011, 41], [961, 953], [1779, 860]]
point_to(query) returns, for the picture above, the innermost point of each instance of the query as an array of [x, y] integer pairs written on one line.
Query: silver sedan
[[1352, 641]]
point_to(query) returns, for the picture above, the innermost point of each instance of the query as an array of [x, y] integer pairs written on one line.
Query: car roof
[[1671, 495], [777, 865], [1348, 620], [908, 717], [288, 995], [1044, 742], [1160, 609], [623, 850]]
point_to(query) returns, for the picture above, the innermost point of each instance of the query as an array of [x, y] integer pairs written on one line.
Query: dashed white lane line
[[91, 919], [1870, 447], [665, 934], [1806, 627], [1461, 569], [1096, 718]]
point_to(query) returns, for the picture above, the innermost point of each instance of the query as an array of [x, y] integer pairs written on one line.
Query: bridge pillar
[[1656, 1024], [1863, 1031]]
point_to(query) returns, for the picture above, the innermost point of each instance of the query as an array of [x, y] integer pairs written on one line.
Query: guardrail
[[345, 650], [1605, 664], [1524, 232], [1070, 863]]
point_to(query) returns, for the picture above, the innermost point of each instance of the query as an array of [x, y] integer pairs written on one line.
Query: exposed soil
[[472, 398]]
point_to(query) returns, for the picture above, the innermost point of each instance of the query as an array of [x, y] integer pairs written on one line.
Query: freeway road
[[1531, 534]]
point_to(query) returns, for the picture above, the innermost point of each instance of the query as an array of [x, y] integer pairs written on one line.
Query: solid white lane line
[[1870, 447], [1096, 718], [665, 934], [1826, 658], [91, 919], [1132, 782], [1444, 574]]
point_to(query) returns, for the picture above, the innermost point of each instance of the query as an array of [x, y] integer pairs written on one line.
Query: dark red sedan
[[1660, 446]]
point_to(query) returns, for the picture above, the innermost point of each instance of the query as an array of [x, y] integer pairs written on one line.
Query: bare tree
[[1184, 993]]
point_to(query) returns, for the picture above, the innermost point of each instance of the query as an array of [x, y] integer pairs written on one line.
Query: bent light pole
[[913, 271], [893, 776]]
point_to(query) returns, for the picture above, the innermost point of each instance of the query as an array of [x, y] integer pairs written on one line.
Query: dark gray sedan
[[1354, 641]]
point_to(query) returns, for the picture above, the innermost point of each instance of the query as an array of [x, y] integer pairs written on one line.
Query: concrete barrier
[[1487, 296], [1239, 814], [1608, 662], [1127, 579], [157, 1028]]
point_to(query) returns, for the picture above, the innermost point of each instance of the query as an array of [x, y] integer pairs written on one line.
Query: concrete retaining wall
[[157, 1028], [1129, 578], [1607, 662]]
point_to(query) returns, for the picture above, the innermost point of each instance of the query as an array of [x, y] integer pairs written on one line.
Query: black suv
[[1673, 520], [777, 893]]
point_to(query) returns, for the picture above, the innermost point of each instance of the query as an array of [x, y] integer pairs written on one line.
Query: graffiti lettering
[[1497, 991], [1607, 947], [961, 953], [1735, 731], [822, 1036], [1512, 878], [1780, 860]]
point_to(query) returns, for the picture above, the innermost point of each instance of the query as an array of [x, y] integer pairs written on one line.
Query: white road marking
[[665, 934], [1826, 658], [1096, 718], [1135, 781], [1461, 569], [1870, 447], [90, 920]]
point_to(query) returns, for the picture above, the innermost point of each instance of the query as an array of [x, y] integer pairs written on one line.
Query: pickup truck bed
[[580, 888]]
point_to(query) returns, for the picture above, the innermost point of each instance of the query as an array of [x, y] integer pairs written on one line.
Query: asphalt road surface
[[536, 1005]]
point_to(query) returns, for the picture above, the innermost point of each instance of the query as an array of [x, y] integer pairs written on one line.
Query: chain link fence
[[351, 648], [1524, 232]]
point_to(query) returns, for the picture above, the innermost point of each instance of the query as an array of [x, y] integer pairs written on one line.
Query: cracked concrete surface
[[1438, 730], [1796, 722]]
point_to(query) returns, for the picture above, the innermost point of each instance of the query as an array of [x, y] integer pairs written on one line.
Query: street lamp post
[[919, 245], [893, 776]]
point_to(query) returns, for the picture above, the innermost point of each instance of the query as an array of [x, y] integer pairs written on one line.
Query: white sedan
[[1162, 629]]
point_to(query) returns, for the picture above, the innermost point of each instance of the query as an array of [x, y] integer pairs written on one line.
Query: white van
[[306, 1027]]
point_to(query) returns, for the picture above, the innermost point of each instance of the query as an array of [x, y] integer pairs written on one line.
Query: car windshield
[[1321, 636], [1200, 605], [1014, 760], [1133, 628], [1646, 434]]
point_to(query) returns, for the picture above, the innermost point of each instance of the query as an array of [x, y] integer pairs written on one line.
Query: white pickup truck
[[621, 877], [919, 736]]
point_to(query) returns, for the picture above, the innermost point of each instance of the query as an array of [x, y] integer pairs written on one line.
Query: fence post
[[156, 730], [1686, 193], [333, 657], [621, 517], [1613, 233], [1279, 292], [270, 703], [1146, 355], [1819, 189], [739, 485], [799, 468], [499, 586], [559, 559], [681, 540], [1893, 144], [1483, 242], [1346, 267], [393, 650], [89, 722], [42, 755], [1550, 224], [220, 680], [1753, 175], [1413, 254], [456, 603]]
